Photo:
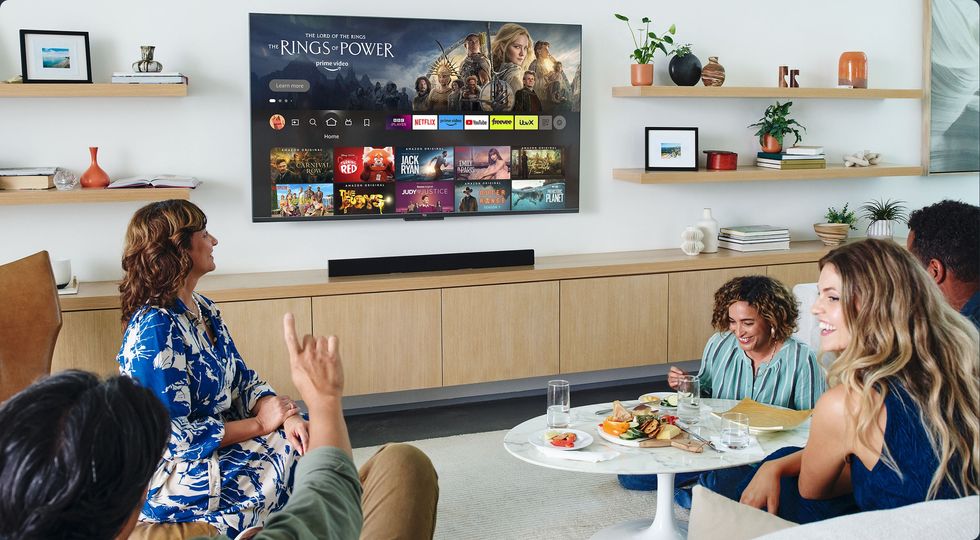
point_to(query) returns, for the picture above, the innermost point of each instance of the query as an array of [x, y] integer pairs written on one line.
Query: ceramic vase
[[852, 70], [641, 74], [713, 74], [685, 70], [94, 176], [883, 228], [831, 234], [691, 241], [709, 228], [146, 63]]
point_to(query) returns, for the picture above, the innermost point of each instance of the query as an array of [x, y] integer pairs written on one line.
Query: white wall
[[206, 134]]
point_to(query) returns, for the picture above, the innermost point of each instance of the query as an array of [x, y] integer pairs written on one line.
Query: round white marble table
[[664, 462]]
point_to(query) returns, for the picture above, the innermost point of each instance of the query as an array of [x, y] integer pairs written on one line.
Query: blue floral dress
[[203, 386]]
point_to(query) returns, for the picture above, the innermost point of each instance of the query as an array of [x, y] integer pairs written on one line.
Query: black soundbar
[[429, 263]]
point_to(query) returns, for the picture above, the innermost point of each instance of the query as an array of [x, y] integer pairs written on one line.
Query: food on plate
[[642, 409], [647, 398], [619, 413], [614, 427], [669, 401], [562, 439], [640, 423], [665, 401], [668, 431]]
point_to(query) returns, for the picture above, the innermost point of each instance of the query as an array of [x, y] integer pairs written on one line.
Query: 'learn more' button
[[500, 121], [525, 122]]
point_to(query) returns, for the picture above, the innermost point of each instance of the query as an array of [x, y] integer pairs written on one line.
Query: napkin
[[578, 455]]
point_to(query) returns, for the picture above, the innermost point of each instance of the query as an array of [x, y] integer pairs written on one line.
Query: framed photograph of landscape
[[671, 148], [51, 56], [951, 80]]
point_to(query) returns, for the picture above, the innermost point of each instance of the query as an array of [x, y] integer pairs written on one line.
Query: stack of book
[[34, 178], [754, 238], [148, 78], [796, 157]]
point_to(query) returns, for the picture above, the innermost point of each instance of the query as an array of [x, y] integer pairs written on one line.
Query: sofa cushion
[[171, 531], [716, 516]]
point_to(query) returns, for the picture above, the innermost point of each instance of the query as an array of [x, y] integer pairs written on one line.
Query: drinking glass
[[559, 403], [735, 430], [689, 399]]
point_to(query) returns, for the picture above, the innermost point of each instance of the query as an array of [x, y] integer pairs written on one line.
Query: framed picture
[[51, 56], [949, 67], [672, 149]]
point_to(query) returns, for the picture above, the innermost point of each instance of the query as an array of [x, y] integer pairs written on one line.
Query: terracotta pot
[[94, 177], [770, 144], [831, 234], [641, 74]]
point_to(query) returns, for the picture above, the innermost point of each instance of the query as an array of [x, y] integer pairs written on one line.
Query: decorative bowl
[[831, 234]]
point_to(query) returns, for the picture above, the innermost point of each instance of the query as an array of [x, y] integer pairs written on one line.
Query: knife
[[687, 429]]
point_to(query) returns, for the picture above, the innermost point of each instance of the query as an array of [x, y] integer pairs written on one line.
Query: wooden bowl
[[831, 234]]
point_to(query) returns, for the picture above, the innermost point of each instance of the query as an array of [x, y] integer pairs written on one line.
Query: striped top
[[792, 379]]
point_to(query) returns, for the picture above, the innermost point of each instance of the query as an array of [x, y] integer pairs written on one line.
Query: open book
[[160, 180]]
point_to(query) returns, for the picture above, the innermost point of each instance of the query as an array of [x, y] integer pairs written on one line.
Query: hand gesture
[[315, 364], [674, 377], [272, 411], [763, 489], [298, 432]]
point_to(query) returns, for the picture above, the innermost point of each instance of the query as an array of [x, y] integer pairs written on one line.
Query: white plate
[[659, 396], [582, 440], [635, 443]]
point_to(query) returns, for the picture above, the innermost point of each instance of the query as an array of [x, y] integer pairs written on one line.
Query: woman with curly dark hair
[[753, 354], [233, 446]]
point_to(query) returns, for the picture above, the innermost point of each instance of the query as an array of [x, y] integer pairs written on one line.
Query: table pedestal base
[[662, 527]]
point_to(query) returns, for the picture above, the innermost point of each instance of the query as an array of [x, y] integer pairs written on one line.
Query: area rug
[[485, 493]]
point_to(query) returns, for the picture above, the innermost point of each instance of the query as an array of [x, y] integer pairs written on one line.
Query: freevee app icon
[[401, 122], [476, 121], [451, 121], [425, 121], [499, 121]]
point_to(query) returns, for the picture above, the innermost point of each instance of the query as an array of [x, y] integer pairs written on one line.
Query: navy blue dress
[[880, 488]]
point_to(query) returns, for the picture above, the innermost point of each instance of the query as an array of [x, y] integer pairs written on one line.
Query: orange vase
[[641, 74], [852, 70], [770, 144], [94, 176]]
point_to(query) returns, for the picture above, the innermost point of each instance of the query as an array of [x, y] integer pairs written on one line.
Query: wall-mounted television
[[365, 117]]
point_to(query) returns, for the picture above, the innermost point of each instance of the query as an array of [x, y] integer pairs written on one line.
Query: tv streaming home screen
[[358, 117]]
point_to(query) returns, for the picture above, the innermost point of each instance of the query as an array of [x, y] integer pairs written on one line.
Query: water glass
[[689, 399], [559, 404], [735, 430]]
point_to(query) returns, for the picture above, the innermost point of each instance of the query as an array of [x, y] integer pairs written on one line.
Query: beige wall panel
[[389, 341], [611, 323], [499, 332], [691, 301], [256, 327], [89, 340], [794, 274]]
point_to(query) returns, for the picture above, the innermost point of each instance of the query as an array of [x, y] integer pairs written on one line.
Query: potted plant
[[641, 73], [774, 125], [833, 232], [882, 216], [684, 67]]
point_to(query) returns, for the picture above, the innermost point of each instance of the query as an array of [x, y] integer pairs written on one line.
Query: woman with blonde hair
[[509, 54], [900, 423]]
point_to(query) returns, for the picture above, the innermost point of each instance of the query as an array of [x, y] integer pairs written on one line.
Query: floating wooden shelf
[[751, 173], [95, 195], [765, 92], [93, 90]]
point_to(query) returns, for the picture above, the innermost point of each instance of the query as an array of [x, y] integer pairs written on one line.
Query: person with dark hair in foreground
[[76, 456], [945, 237]]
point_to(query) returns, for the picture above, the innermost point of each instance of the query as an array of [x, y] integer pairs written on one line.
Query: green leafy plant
[[650, 41], [888, 210], [843, 215], [681, 50], [776, 123]]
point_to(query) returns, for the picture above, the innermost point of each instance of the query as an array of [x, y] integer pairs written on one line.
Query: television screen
[[362, 117]]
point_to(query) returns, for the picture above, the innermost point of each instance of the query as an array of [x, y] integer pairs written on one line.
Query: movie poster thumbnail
[[364, 164], [485, 196], [482, 163], [537, 195], [364, 198], [424, 197], [303, 200], [424, 163], [530, 162], [290, 165]]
